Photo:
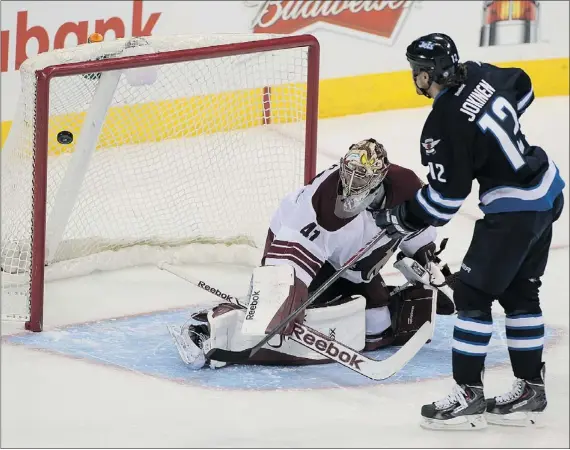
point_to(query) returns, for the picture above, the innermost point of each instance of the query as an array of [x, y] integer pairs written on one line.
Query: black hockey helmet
[[435, 54]]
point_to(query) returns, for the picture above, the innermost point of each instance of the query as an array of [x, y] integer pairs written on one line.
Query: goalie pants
[[375, 292], [506, 258]]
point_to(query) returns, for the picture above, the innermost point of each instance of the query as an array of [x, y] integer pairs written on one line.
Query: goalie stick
[[371, 368]]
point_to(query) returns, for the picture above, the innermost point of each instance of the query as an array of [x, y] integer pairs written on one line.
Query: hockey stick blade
[[371, 368], [376, 370]]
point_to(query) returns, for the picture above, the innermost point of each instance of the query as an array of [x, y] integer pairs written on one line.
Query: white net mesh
[[163, 159]]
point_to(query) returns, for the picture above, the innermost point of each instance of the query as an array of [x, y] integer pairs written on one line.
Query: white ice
[[49, 400]]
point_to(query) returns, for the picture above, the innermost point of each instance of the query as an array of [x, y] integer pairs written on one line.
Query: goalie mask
[[362, 171]]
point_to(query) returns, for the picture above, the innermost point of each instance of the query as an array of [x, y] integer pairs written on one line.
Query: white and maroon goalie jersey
[[306, 233]]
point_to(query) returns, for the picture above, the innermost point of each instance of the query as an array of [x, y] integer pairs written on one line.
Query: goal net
[[139, 150]]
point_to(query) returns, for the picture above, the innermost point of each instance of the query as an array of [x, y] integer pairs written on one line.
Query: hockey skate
[[463, 409], [522, 406], [189, 340]]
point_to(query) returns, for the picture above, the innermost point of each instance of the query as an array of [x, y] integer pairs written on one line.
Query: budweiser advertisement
[[508, 22], [379, 20]]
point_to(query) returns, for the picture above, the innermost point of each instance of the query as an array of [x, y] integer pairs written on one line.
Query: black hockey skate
[[522, 406], [463, 409]]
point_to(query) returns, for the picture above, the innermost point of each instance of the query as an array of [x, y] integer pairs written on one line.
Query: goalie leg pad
[[344, 322], [275, 292]]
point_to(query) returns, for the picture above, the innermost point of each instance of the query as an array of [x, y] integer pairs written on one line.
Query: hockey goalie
[[314, 231]]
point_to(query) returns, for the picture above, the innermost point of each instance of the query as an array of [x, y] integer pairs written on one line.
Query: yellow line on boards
[[172, 119]]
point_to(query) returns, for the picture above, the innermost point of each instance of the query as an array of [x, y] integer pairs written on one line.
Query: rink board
[[142, 344]]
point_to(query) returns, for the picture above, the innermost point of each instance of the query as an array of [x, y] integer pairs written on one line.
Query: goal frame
[[40, 146]]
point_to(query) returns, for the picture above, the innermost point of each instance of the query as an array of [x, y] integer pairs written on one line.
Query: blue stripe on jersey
[[432, 209], [439, 200], [535, 198]]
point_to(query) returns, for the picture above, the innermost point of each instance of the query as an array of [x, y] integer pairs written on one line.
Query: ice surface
[[89, 400]]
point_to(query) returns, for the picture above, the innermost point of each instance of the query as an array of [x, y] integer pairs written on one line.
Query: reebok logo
[[325, 346], [252, 305], [411, 318], [215, 291]]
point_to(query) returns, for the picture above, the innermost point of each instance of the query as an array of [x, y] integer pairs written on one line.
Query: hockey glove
[[426, 254], [393, 222]]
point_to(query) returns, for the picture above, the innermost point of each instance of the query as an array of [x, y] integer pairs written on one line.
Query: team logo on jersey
[[429, 145]]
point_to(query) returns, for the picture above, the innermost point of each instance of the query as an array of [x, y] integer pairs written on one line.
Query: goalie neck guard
[[361, 171]]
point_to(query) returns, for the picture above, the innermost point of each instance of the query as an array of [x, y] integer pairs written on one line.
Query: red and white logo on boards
[[377, 19]]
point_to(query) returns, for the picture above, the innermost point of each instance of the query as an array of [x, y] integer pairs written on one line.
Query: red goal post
[[44, 78]]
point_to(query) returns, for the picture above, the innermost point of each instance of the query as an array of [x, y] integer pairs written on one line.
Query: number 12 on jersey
[[437, 171], [493, 121]]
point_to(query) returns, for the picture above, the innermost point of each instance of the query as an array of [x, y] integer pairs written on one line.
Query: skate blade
[[196, 361], [517, 419], [465, 423]]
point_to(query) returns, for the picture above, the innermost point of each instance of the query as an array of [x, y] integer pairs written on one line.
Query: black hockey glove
[[394, 223], [426, 254], [429, 253]]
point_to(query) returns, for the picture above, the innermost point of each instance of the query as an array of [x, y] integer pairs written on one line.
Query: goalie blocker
[[274, 291]]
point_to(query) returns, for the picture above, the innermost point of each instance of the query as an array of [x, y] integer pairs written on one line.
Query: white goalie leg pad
[[226, 333], [270, 287], [344, 323]]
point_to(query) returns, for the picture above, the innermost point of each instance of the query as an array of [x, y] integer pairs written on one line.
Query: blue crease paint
[[142, 344]]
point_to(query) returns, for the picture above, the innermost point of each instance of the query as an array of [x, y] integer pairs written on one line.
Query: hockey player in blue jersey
[[473, 133]]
